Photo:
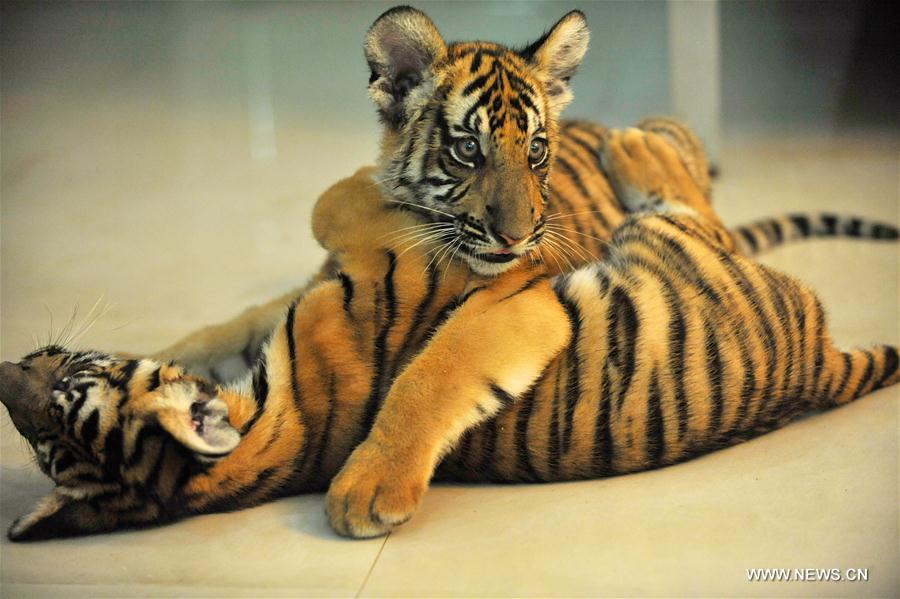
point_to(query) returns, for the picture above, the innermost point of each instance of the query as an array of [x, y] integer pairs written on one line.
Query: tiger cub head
[[471, 128], [111, 433]]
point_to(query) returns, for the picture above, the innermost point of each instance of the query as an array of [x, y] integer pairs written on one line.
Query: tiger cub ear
[[401, 47], [197, 419], [557, 54]]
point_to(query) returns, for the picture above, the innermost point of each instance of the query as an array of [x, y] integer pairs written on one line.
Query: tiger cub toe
[[374, 492]]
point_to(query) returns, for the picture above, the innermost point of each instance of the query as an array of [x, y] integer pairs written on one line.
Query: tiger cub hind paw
[[647, 172], [372, 494]]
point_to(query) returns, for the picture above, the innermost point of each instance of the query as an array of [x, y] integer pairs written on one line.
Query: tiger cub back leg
[[689, 147], [227, 351], [648, 173]]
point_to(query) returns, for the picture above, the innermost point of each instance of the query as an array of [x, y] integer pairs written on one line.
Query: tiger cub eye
[[537, 152], [467, 148]]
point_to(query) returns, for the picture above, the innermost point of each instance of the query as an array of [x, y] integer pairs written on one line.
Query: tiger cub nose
[[510, 241]]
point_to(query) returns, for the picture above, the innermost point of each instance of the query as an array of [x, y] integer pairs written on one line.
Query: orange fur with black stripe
[[670, 347]]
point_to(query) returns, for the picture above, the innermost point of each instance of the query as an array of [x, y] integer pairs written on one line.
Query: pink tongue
[[503, 252]]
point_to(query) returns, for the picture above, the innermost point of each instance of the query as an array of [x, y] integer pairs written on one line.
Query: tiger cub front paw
[[374, 492], [647, 173]]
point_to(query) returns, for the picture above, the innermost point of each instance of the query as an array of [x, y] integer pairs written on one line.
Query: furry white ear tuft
[[197, 420], [401, 47], [557, 55]]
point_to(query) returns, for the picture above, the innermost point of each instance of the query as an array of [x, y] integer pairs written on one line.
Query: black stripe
[[153, 379], [418, 318], [449, 308], [249, 353], [120, 379], [476, 62], [76, 406], [604, 451], [748, 384], [656, 439], [553, 430], [803, 340], [573, 378], [593, 152], [890, 364], [65, 461], [747, 235], [380, 349], [622, 340], [477, 83], [829, 222], [777, 232], [819, 352], [677, 339], [845, 377], [317, 471], [714, 372], [260, 395], [523, 454], [801, 222], [503, 397], [489, 446], [296, 392], [866, 377], [573, 175], [347, 284], [275, 433], [853, 228], [880, 231], [292, 351], [531, 283], [238, 498], [90, 428], [785, 319], [144, 435]]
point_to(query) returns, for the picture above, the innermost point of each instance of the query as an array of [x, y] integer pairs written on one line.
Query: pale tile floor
[[155, 205]]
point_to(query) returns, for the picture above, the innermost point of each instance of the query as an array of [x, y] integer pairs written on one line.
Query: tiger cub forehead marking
[[493, 93]]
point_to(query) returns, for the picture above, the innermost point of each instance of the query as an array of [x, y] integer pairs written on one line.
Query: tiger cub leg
[[226, 351], [689, 148], [647, 172], [482, 359]]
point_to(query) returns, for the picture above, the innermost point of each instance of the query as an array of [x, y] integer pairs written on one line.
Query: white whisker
[[447, 214], [575, 247], [559, 215], [577, 232]]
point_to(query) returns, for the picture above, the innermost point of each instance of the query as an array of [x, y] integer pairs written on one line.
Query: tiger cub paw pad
[[371, 495]]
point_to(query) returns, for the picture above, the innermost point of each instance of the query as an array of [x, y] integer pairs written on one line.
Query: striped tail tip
[[864, 371], [769, 233]]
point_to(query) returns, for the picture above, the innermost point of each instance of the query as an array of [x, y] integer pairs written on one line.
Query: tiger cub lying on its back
[[671, 347]]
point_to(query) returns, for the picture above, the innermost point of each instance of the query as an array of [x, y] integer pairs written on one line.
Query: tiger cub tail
[[858, 372], [762, 235]]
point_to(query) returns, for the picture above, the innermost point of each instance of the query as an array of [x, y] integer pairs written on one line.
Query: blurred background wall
[[138, 135], [821, 64]]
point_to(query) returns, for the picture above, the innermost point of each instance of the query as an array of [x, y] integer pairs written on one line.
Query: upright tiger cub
[[670, 347], [473, 142]]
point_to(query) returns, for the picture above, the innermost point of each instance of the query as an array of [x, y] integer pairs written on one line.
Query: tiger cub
[[671, 347], [473, 143]]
